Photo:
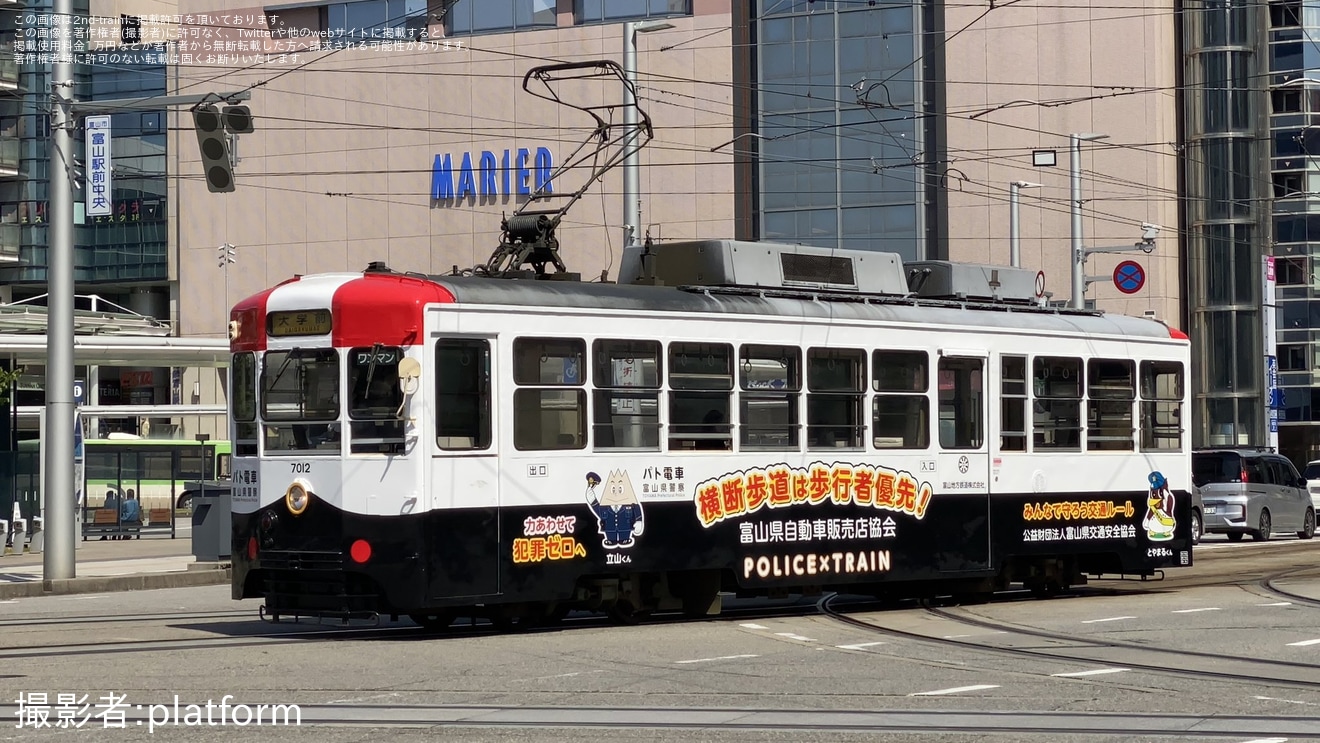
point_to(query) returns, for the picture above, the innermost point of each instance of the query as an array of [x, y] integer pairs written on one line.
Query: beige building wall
[[338, 173], [1023, 78], [155, 16]]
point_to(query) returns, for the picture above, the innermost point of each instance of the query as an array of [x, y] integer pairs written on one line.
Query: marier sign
[[484, 174]]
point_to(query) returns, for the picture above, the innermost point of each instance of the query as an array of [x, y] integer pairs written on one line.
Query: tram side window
[[243, 393], [373, 384], [1013, 403], [771, 381], [836, 386], [300, 400], [626, 375], [700, 383], [1057, 387], [961, 393], [462, 400], [1161, 405], [901, 412], [1111, 389], [550, 404]]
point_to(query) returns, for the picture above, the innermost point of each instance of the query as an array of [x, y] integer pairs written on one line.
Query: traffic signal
[[238, 120], [214, 144]]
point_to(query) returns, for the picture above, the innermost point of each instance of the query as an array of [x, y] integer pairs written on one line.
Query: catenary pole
[[58, 555], [58, 561]]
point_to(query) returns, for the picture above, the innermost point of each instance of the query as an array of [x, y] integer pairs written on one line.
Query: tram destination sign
[[298, 322]]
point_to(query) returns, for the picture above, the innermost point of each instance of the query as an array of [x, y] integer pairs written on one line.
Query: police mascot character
[[618, 512]]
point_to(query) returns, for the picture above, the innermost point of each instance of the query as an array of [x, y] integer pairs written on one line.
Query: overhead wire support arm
[[528, 235]]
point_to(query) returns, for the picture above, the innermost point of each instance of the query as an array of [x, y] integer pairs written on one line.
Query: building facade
[[821, 123], [1294, 105], [400, 131]]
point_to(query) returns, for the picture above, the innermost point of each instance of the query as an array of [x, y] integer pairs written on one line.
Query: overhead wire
[[472, 49]]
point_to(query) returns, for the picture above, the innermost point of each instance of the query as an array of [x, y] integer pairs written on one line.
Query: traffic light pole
[[155, 102], [60, 517]]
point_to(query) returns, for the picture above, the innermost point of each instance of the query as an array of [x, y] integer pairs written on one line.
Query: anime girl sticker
[[617, 510], [1159, 522]]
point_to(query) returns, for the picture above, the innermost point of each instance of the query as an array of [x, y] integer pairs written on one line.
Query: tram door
[[963, 469], [463, 532]]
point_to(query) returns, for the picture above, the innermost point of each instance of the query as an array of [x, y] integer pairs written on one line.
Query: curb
[[104, 584]]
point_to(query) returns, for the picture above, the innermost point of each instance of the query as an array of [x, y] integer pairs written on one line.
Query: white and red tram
[[442, 446]]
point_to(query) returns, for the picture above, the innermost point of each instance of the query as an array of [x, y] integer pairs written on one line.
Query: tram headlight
[[297, 497], [266, 528]]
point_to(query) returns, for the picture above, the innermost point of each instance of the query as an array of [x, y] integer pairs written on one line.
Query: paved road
[[1218, 650]]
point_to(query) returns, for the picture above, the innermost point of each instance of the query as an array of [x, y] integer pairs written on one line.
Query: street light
[[1075, 205], [632, 208], [1014, 250]]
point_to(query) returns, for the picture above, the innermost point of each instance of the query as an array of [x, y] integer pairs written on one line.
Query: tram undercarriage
[[631, 597]]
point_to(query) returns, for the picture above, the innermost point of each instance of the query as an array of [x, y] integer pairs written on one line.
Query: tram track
[[1270, 585], [404, 630], [206, 643], [1072, 649], [121, 618], [1009, 725]]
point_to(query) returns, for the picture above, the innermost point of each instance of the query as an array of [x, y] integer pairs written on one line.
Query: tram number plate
[[300, 467]]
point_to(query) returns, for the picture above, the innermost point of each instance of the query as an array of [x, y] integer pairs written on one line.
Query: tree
[[8, 379]]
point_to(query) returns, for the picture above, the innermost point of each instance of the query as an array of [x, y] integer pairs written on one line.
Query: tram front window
[[373, 380], [300, 400]]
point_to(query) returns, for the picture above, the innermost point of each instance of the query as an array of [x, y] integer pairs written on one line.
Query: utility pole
[[58, 561], [58, 556], [1014, 239], [632, 208], [1075, 206]]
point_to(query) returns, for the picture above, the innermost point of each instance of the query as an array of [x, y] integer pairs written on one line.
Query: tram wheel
[[504, 619], [434, 621], [701, 596], [550, 614], [1045, 589], [624, 612]]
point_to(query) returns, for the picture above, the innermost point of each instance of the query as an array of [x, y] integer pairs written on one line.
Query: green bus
[[156, 470]]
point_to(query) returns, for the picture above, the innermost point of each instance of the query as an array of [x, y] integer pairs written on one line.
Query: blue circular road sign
[[1129, 277]]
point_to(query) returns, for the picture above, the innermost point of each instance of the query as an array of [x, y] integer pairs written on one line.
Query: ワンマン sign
[[513, 172]]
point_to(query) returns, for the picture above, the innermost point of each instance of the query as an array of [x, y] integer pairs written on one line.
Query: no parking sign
[[1129, 277]]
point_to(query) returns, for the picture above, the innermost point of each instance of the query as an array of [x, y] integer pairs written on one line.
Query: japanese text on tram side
[[1079, 533], [780, 486], [245, 485], [1077, 510], [547, 538], [817, 530]]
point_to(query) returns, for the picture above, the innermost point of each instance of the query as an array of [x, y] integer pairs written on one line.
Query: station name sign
[[514, 172]]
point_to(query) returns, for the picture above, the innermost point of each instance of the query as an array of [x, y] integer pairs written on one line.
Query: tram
[[731, 416]]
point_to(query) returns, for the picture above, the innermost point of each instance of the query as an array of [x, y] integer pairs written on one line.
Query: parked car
[[1312, 475], [1252, 491]]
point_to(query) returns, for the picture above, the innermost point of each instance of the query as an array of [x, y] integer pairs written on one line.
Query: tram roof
[[804, 304]]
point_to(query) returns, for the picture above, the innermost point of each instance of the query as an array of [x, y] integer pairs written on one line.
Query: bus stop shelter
[[102, 339]]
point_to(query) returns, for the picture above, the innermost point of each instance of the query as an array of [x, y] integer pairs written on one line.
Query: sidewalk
[[153, 561]]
